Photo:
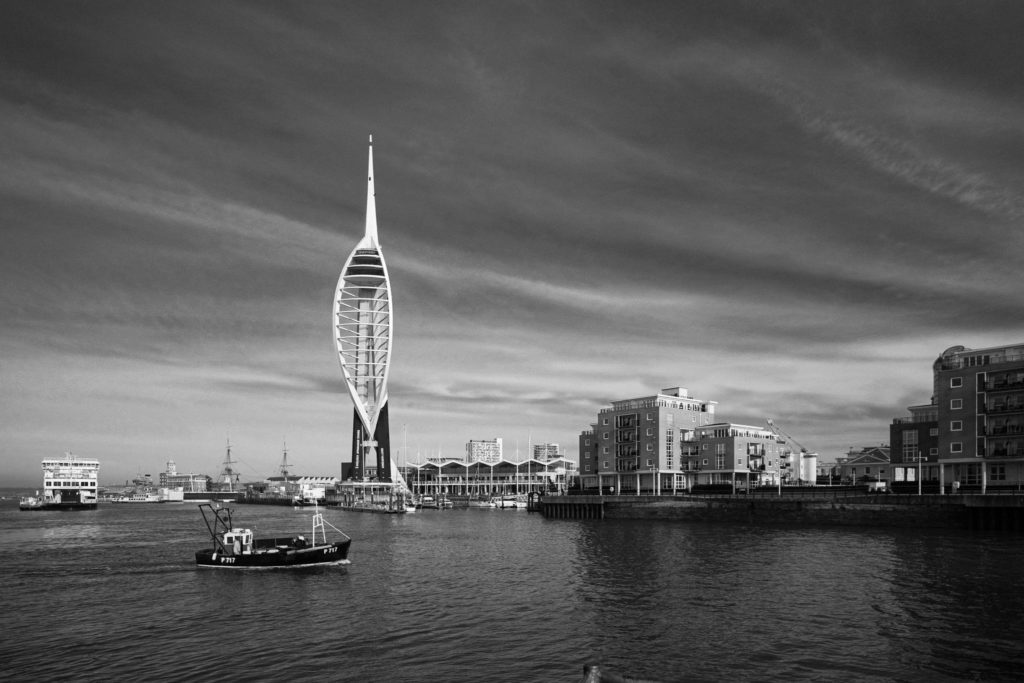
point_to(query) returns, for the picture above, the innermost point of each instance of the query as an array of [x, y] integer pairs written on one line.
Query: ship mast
[[228, 474], [284, 464]]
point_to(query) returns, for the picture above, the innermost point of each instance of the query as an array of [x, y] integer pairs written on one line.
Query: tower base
[[379, 456]]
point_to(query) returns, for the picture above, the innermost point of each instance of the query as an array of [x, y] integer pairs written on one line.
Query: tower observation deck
[[362, 321]]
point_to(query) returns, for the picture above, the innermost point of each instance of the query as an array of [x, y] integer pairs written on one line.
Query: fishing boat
[[236, 548]]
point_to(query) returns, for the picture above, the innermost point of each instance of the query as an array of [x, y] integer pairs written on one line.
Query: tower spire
[[371, 205]]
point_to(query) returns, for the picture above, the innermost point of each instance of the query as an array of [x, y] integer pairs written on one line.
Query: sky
[[789, 208]]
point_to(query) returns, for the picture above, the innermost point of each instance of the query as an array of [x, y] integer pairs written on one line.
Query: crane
[[777, 431]]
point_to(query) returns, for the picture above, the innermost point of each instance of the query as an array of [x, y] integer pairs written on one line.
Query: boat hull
[[41, 506], [277, 556]]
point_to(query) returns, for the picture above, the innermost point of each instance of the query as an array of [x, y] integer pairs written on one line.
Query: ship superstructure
[[69, 483]]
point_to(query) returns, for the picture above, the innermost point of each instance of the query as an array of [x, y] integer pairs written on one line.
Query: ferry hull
[[284, 556], [56, 506]]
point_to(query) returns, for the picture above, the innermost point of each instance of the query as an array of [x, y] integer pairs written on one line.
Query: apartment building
[[484, 450], [974, 423], [729, 453], [636, 444], [546, 451]]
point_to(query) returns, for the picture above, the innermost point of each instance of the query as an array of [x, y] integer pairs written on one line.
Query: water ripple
[[506, 596]]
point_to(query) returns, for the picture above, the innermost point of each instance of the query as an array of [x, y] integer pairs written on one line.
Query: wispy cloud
[[789, 210]]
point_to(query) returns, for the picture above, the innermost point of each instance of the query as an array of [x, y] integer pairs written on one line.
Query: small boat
[[31, 503], [235, 547], [428, 503], [381, 506], [138, 498], [509, 502]]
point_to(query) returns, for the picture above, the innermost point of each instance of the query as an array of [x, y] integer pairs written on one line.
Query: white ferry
[[69, 483]]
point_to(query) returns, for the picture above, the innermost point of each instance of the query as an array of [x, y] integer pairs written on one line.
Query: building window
[[586, 442], [956, 382], [587, 468], [720, 449], [604, 435], [956, 404], [606, 464], [605, 451], [739, 462], [933, 451], [956, 426], [604, 421], [934, 431], [650, 463], [650, 446], [650, 431], [956, 447], [997, 472], [650, 416], [704, 462], [719, 462]]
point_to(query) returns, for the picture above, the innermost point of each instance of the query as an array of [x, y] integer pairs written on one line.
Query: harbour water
[[489, 595]]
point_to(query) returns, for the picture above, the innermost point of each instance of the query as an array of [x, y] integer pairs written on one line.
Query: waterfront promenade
[[808, 506]]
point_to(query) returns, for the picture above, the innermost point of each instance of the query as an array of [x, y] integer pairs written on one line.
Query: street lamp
[[919, 471]]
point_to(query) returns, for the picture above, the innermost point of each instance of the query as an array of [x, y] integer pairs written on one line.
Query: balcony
[[914, 420], [957, 362], [1003, 385], [1004, 430], [999, 408]]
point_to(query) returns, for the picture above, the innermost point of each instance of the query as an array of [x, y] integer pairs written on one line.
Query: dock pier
[[992, 512]]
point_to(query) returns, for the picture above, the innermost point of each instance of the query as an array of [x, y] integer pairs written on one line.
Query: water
[[491, 595]]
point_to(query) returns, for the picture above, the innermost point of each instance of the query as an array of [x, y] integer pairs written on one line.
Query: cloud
[[789, 210]]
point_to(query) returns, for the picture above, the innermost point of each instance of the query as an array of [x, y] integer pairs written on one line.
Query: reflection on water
[[471, 595]]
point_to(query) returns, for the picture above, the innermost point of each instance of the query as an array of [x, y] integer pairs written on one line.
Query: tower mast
[[363, 325]]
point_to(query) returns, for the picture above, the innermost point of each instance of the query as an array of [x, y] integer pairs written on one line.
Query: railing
[[958, 363], [1004, 431], [1003, 385], [1004, 408], [913, 420]]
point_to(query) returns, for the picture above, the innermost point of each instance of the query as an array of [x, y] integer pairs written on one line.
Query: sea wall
[[980, 512]]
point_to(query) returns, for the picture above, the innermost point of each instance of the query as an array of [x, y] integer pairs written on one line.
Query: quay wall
[[1001, 512]]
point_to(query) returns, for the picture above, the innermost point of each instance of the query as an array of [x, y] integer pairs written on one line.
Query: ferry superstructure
[[69, 483]]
